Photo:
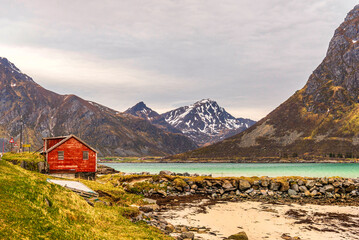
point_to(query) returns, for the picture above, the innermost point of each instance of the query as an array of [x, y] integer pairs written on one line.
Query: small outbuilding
[[69, 155]]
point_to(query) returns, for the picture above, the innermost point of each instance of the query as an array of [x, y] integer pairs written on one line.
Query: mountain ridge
[[321, 119], [204, 121], [46, 113]]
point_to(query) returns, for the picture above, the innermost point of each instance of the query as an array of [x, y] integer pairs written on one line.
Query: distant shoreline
[[233, 161]]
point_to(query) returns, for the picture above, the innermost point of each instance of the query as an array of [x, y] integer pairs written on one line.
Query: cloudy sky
[[248, 55]]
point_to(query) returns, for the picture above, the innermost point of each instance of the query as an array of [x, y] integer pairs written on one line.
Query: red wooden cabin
[[70, 155]]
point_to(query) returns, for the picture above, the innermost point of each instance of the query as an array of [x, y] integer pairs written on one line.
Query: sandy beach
[[269, 221]]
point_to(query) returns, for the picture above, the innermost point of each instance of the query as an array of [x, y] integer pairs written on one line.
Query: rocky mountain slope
[[142, 111], [46, 113], [320, 119], [206, 122]]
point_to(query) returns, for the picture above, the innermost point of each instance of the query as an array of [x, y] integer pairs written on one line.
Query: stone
[[249, 191], [169, 228], [244, 185], [348, 183], [303, 188], [188, 235], [328, 188], [149, 208], [239, 236], [162, 192], [256, 183], [284, 186], [227, 184], [337, 184], [274, 186], [350, 188], [165, 172], [324, 181], [291, 192], [264, 192], [300, 183], [295, 187], [314, 193], [48, 203], [194, 187], [265, 183], [307, 193], [310, 184]]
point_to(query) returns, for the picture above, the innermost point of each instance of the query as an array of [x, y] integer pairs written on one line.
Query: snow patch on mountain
[[205, 119]]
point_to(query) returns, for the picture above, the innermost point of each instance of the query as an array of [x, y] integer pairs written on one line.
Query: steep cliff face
[[46, 113], [320, 119]]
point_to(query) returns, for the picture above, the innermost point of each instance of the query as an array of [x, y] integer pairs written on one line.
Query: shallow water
[[350, 170]]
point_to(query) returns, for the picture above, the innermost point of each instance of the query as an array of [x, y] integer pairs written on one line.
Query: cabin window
[[85, 155], [60, 155]]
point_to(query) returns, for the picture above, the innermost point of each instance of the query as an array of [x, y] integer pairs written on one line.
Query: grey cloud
[[261, 51]]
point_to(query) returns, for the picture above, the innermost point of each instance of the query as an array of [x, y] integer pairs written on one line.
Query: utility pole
[[21, 123]]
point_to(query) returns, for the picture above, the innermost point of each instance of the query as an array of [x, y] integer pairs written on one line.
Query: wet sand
[[268, 221]]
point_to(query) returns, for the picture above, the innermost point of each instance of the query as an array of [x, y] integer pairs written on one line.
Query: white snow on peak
[[11, 65], [13, 84], [204, 116], [354, 41]]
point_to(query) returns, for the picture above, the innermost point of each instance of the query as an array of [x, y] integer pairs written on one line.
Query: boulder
[[187, 235], [274, 186], [244, 185], [165, 172], [284, 186], [291, 192], [265, 183], [169, 228], [295, 187], [310, 184], [303, 188], [149, 208], [350, 188], [348, 183], [227, 184], [239, 236], [328, 188], [337, 184], [194, 187]]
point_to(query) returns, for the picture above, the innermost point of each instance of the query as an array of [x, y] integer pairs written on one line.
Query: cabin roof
[[65, 138]]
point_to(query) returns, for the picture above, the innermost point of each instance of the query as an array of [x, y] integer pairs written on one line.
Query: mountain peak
[[7, 64], [205, 121], [321, 119], [142, 111]]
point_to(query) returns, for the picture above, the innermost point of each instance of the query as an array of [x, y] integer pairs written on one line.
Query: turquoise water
[[350, 170]]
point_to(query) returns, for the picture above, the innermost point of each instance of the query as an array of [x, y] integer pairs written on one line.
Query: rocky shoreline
[[168, 190]]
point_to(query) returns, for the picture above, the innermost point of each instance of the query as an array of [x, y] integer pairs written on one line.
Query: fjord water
[[349, 170]]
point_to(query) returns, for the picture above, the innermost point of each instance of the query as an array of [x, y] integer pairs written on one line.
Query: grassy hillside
[[31, 208]]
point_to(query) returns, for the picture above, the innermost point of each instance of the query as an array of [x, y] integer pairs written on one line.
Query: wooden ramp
[[76, 187]]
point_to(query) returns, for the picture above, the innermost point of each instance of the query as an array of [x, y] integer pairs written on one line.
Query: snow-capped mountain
[[206, 122]]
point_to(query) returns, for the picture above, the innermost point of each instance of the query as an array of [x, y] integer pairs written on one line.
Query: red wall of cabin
[[52, 142], [73, 161]]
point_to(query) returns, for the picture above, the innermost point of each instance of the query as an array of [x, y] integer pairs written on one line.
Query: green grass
[[26, 214], [25, 156]]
